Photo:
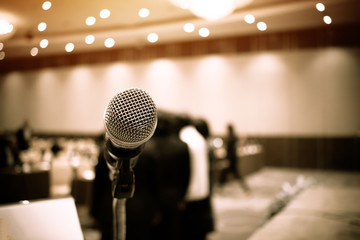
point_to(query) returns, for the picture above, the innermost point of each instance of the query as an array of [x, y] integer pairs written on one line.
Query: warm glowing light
[[89, 39], [26, 202], [5, 27], [44, 43], [184, 4], [1, 46], [46, 5], [249, 18], [218, 142], [34, 51], [2, 55], [152, 37], [144, 12], [69, 47], [320, 7], [204, 32], [211, 9], [109, 42], [189, 27], [327, 19], [42, 26], [261, 26], [105, 13], [90, 21], [88, 175]]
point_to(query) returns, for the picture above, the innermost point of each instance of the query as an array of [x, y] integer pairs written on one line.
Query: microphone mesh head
[[130, 118]]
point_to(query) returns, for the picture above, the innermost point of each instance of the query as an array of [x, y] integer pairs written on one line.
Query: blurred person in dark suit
[[161, 179], [9, 157], [234, 160], [198, 218], [23, 136], [203, 127], [101, 204], [162, 176]]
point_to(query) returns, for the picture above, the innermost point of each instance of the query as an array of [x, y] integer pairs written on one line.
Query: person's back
[[198, 218], [234, 160], [231, 148], [162, 175], [23, 136], [142, 208], [173, 168], [9, 156], [101, 205]]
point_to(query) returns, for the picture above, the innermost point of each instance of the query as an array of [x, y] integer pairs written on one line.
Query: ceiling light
[[34, 51], [261, 26], [5, 27], [189, 27], [249, 18], [105, 13], [2, 55], [46, 5], [90, 20], [90, 39], [42, 26], [320, 7], [109, 42], [152, 37], [184, 4], [327, 19], [204, 32], [69, 47], [211, 9], [44, 43], [144, 12]]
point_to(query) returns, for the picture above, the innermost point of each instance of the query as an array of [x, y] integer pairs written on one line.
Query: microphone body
[[130, 121]]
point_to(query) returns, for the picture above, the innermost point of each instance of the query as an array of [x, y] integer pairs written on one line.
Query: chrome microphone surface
[[130, 118]]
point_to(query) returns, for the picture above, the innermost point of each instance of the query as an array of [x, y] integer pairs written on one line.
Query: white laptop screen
[[54, 219]]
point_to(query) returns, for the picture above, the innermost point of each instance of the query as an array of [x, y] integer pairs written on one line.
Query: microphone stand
[[121, 163], [119, 219], [123, 188]]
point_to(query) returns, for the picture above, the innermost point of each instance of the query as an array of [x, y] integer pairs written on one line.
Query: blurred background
[[284, 73]]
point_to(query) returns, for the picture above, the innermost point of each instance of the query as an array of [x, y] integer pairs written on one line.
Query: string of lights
[[152, 37]]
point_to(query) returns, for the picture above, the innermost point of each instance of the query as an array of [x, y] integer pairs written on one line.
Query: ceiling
[[66, 22]]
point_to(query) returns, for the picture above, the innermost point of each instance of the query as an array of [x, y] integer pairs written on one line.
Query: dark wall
[[336, 153]]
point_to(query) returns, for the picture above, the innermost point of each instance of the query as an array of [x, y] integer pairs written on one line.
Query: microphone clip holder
[[121, 163]]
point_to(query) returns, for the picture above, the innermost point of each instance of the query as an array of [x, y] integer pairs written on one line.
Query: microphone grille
[[130, 118]]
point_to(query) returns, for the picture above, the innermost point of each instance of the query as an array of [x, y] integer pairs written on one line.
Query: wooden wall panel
[[310, 38], [337, 153]]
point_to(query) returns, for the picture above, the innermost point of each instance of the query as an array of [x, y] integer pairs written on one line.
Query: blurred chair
[[61, 176], [17, 186]]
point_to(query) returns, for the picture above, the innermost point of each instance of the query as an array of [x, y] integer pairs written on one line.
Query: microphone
[[130, 118], [130, 121]]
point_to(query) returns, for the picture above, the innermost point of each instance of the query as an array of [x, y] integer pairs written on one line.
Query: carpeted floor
[[241, 215]]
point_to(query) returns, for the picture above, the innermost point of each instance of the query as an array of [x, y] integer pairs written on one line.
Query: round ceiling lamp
[[6, 29], [211, 10]]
